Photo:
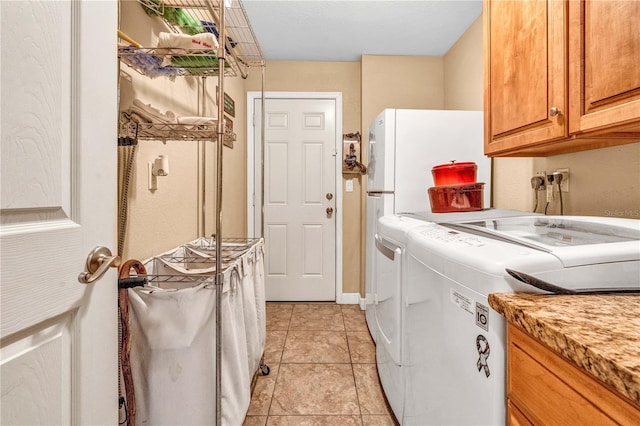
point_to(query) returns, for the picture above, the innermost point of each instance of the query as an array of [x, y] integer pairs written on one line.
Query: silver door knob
[[98, 261], [329, 211], [553, 111]]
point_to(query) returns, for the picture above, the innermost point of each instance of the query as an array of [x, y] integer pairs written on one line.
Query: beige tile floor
[[323, 369]]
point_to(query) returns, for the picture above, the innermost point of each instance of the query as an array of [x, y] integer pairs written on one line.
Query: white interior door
[[299, 198], [58, 359]]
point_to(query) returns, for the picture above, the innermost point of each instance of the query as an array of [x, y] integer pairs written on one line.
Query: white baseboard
[[349, 299], [363, 304]]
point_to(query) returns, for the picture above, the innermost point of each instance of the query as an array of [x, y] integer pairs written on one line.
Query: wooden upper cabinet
[[604, 53], [525, 73], [560, 76]]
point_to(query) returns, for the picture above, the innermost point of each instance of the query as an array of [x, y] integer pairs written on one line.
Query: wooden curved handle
[[126, 267], [125, 349]]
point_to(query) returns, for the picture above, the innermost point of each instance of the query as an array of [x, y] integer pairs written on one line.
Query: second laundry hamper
[[173, 334]]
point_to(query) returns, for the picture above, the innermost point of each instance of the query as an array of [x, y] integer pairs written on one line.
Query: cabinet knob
[[553, 111]]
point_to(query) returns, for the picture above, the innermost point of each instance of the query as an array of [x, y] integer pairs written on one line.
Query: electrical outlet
[[537, 183], [564, 184], [542, 175], [349, 185]]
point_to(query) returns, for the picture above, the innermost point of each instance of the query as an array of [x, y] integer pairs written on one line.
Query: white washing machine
[[388, 293], [454, 351]]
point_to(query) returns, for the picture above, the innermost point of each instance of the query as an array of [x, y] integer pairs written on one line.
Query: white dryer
[[386, 310], [388, 305], [454, 363]]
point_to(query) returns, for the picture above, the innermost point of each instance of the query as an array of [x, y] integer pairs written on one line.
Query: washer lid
[[489, 213], [574, 240]]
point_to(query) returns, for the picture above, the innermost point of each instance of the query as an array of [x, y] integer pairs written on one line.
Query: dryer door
[[388, 276], [378, 205]]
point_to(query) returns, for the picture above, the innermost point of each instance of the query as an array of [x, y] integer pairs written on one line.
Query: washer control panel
[[448, 236]]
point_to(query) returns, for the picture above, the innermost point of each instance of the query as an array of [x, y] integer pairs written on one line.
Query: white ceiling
[[339, 30]]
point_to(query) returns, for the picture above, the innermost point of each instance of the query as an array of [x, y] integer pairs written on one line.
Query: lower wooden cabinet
[[516, 417], [543, 388]]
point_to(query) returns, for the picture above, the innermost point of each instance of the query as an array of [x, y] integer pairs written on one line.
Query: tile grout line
[[275, 384], [355, 386]]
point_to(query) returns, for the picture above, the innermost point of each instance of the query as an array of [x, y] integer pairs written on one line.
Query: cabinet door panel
[[548, 389], [605, 77], [515, 417], [537, 392], [525, 71], [519, 77]]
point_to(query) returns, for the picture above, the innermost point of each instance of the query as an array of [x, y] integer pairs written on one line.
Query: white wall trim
[[253, 210], [350, 299]]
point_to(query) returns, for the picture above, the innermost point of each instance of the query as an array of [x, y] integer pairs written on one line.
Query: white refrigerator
[[403, 147]]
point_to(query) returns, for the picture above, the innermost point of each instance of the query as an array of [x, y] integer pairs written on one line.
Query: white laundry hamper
[[173, 331]]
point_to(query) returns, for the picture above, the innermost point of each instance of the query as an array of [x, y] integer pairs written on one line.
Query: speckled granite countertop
[[601, 334]]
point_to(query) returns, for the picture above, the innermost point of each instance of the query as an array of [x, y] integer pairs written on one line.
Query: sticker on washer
[[482, 316], [461, 300], [482, 345]]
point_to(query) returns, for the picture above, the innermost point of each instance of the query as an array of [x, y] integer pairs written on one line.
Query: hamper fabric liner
[[173, 347]]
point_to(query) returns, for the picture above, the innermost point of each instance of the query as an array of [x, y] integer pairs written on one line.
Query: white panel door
[[299, 188], [58, 359]]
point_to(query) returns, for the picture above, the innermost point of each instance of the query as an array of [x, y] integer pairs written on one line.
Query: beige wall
[[234, 170], [344, 77], [288, 76], [400, 82], [463, 71], [603, 182]]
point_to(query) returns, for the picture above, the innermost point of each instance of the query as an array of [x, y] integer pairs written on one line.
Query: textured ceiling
[[334, 30]]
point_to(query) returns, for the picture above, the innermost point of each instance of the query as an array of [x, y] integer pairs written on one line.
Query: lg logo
[[482, 316]]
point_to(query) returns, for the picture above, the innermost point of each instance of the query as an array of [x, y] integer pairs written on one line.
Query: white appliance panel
[[427, 138], [446, 380], [570, 238], [462, 217], [404, 145], [389, 269], [449, 275], [378, 205], [388, 266], [391, 378], [381, 153]]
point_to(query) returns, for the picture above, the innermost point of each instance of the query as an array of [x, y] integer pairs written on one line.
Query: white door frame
[[254, 210]]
